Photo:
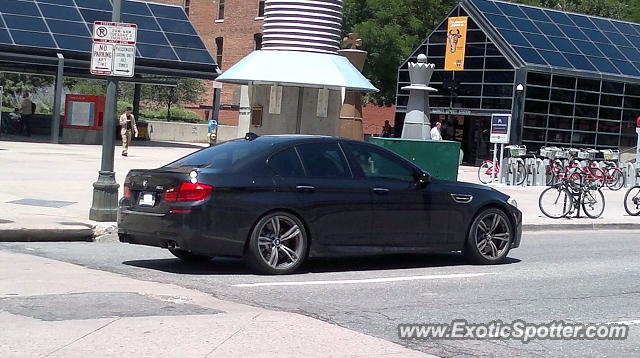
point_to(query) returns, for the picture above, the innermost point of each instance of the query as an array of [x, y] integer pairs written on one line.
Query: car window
[[324, 160], [226, 155], [375, 163], [286, 163]]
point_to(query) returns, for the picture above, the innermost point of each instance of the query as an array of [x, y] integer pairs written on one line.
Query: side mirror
[[423, 178]]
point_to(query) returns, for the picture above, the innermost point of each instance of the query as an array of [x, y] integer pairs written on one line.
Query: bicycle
[[614, 176], [487, 168], [567, 196], [632, 201]]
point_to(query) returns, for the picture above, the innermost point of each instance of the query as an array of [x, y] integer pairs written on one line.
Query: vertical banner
[[456, 41]]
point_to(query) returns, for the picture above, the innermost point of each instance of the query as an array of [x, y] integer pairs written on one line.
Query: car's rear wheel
[[189, 256], [490, 237], [278, 244]]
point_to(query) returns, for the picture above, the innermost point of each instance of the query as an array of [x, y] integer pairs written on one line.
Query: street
[[581, 276]]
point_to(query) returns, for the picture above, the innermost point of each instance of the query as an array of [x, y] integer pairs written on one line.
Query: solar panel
[[164, 31], [550, 37]]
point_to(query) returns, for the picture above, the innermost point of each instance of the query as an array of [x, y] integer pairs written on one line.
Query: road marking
[[367, 280], [628, 323]]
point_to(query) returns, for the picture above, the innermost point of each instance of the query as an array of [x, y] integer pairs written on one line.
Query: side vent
[[462, 198]]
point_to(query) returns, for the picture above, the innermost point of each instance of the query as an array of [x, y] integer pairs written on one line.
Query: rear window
[[227, 155]]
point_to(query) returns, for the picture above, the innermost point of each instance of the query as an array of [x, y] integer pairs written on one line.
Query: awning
[[296, 68]]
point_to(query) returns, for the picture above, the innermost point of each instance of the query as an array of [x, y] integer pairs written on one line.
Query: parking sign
[[114, 49]]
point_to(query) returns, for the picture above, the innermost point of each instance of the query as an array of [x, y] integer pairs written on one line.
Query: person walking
[[26, 111], [387, 129], [436, 131], [128, 128]]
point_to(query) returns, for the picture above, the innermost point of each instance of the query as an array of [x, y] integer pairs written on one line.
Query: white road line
[[628, 323], [367, 280]]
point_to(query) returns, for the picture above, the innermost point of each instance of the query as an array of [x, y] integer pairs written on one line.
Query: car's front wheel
[[278, 244], [489, 238], [189, 256]]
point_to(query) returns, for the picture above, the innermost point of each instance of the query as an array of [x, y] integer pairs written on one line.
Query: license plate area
[[147, 199]]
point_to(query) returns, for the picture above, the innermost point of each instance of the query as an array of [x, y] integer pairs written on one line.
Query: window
[[260, 8], [257, 40], [228, 155], [220, 9], [219, 48], [324, 160], [375, 163], [187, 5], [286, 163]]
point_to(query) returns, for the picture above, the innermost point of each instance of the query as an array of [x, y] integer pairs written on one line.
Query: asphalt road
[[587, 277]]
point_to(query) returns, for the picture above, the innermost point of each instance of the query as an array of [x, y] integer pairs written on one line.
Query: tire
[[597, 177], [485, 171], [593, 203], [615, 179], [281, 234], [187, 256], [555, 202], [521, 173], [632, 201], [490, 237]]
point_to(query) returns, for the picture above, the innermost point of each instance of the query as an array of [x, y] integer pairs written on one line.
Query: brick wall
[[237, 29]]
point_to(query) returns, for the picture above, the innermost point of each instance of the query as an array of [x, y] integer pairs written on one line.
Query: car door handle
[[379, 190], [305, 187]]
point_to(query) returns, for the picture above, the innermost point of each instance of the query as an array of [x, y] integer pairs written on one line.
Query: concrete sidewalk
[[55, 309], [46, 190]]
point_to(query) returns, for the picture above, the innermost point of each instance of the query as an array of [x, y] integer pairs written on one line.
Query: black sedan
[[277, 200]]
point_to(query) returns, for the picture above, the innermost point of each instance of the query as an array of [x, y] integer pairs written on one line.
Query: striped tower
[[303, 25]]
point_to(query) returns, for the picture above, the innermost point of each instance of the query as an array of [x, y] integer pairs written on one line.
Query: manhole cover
[[44, 203]]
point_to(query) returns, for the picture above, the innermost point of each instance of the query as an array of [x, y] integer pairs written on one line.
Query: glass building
[[580, 78]]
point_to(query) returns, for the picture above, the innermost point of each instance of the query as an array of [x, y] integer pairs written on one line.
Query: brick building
[[230, 29]]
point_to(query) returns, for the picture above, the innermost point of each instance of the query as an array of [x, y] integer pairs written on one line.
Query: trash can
[[143, 130], [440, 158]]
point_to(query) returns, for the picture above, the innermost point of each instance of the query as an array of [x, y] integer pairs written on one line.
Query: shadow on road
[[236, 266]]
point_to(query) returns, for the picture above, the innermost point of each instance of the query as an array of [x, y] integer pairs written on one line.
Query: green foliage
[[178, 114], [187, 91]]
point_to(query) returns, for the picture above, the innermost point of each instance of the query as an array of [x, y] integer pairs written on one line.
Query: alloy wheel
[[492, 235], [280, 242]]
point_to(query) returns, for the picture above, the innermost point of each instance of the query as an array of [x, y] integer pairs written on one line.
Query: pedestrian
[[436, 131], [387, 129], [128, 128], [26, 111]]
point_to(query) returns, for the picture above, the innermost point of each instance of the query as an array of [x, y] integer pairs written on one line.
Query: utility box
[[83, 119], [440, 158]]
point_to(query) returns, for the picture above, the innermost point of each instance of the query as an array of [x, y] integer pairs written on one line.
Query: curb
[[586, 226], [46, 235]]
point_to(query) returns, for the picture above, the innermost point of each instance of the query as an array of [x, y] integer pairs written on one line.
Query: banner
[[456, 41]]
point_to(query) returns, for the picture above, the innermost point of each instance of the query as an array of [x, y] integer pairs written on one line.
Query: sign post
[[500, 134], [1, 94], [109, 59]]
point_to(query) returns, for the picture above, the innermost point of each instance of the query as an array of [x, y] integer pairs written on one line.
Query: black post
[[105, 190], [137, 93]]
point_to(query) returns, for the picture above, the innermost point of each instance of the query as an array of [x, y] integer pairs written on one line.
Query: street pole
[[57, 101], [105, 190]]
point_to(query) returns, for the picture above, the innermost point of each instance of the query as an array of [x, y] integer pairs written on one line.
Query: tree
[[187, 91]]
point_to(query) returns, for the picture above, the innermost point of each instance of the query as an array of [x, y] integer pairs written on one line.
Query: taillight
[[127, 191], [188, 192]]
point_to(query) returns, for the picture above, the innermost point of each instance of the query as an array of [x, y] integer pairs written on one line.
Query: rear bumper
[[186, 231]]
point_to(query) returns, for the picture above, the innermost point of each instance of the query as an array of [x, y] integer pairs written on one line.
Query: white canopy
[[296, 68]]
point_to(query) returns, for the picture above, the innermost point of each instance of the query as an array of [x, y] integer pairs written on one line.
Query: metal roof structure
[[33, 32], [541, 38]]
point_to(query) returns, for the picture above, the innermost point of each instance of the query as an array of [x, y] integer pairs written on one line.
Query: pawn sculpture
[[417, 124]]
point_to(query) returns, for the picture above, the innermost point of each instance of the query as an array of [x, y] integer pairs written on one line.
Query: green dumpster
[[440, 158]]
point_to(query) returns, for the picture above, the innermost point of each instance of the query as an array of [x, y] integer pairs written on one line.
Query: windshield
[[227, 155]]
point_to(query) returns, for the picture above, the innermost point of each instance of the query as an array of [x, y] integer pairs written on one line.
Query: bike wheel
[[556, 202], [485, 172], [615, 179], [632, 201], [593, 203], [596, 176], [521, 173]]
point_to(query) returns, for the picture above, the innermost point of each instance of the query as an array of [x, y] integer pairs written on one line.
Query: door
[[402, 209], [335, 205]]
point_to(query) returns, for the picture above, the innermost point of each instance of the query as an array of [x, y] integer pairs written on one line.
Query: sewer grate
[[43, 203]]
